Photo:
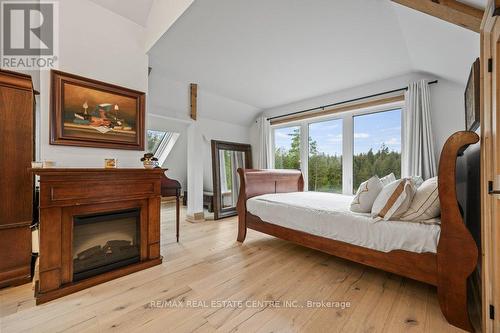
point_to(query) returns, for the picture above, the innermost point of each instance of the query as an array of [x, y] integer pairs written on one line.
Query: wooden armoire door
[[16, 180], [490, 165]]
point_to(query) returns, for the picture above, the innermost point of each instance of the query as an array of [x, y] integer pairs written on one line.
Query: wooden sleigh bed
[[448, 269]]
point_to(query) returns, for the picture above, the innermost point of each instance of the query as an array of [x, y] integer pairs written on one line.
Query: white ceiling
[[134, 10], [268, 53]]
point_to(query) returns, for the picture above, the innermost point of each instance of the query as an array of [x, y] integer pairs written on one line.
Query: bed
[[273, 202]]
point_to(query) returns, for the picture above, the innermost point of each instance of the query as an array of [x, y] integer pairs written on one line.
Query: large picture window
[[337, 153], [325, 156], [377, 145], [287, 148]]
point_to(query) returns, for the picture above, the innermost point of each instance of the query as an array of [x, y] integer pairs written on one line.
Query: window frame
[[166, 144], [165, 134], [347, 139]]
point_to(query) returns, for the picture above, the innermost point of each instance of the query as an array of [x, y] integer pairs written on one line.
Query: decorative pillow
[[425, 204], [366, 195], [388, 179], [417, 180], [394, 199]]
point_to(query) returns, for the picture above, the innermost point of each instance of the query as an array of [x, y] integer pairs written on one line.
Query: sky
[[370, 131]]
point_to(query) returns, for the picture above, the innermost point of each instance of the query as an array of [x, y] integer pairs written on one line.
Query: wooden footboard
[[449, 269], [457, 251]]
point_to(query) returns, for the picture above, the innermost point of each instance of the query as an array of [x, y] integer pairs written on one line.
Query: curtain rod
[[343, 102]]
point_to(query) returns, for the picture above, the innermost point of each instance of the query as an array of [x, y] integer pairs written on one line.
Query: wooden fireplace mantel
[[69, 192]]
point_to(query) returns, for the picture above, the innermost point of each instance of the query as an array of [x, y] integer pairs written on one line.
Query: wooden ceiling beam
[[193, 92], [450, 11]]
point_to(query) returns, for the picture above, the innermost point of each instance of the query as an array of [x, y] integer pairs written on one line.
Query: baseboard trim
[[196, 217]]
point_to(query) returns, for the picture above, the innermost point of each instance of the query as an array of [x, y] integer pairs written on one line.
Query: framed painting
[[92, 113], [472, 98]]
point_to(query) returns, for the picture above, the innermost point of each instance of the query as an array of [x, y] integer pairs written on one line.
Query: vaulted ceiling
[[135, 10], [268, 53]]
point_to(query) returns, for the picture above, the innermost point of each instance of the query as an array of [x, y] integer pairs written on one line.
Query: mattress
[[328, 215]]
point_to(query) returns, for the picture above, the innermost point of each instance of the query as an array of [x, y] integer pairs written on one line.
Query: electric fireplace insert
[[104, 242]]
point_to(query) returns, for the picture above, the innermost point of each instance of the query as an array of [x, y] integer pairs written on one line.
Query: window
[[325, 156], [161, 143], [287, 148], [338, 152], [377, 145], [154, 139]]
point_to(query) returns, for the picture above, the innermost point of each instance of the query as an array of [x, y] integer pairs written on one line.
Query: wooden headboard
[[257, 182]]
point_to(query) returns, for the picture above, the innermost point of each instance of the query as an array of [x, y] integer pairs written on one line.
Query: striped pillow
[[425, 204], [394, 199]]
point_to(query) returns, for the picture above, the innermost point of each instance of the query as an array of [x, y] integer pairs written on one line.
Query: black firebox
[[104, 242]]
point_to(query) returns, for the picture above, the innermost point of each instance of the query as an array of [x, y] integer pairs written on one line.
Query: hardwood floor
[[209, 265]]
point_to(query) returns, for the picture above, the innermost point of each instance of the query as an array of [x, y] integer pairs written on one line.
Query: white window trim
[[347, 139]]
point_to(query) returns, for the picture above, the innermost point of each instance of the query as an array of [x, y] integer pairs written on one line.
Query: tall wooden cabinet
[[17, 123]]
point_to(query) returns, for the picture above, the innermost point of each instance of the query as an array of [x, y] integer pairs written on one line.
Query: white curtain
[[418, 148], [265, 157]]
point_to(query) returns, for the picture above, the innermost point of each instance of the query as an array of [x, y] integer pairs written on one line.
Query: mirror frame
[[217, 146]]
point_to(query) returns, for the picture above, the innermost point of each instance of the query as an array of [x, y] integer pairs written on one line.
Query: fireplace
[[103, 242], [96, 225]]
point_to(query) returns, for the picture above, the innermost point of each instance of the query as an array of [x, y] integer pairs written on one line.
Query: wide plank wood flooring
[[262, 275]]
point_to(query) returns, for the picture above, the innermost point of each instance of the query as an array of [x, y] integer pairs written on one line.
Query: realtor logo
[[29, 39]]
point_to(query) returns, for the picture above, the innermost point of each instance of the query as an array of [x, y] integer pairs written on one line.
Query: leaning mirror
[[227, 157]]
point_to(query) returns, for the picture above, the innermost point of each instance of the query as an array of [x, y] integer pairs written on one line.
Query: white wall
[[447, 104], [95, 43]]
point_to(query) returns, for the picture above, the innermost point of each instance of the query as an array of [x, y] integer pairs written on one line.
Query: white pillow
[[366, 195], [388, 179], [394, 199], [425, 204], [417, 180]]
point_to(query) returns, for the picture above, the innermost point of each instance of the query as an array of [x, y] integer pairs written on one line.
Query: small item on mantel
[[110, 163], [36, 165], [149, 161]]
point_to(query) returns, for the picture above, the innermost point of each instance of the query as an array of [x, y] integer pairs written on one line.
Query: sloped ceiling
[[268, 53], [136, 10]]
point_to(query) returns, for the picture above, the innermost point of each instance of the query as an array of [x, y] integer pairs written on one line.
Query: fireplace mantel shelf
[[66, 193], [41, 171]]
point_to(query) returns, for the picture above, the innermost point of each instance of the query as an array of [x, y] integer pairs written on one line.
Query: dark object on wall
[[496, 7], [17, 151], [92, 113], [172, 188], [227, 158], [472, 98]]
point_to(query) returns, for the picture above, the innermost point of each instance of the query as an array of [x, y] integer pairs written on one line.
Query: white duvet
[[328, 215]]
